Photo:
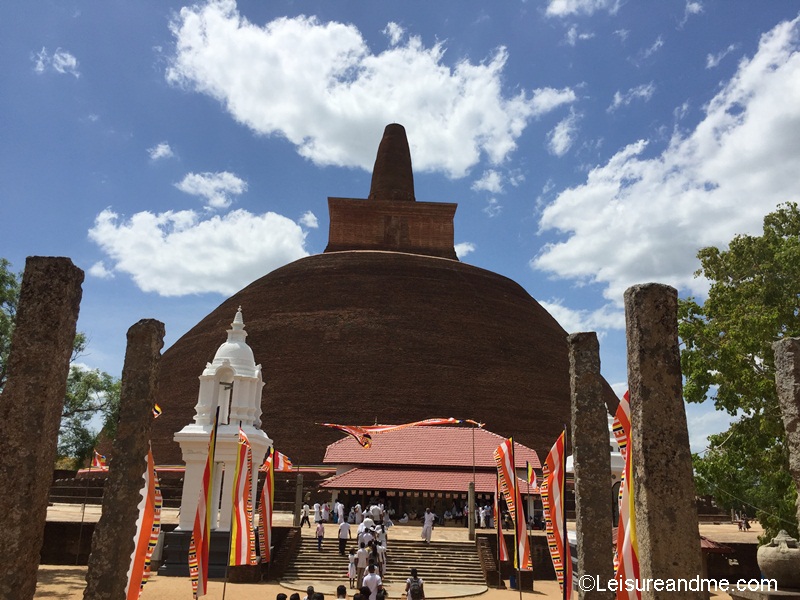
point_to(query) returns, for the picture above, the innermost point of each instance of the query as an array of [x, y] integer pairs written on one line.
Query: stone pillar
[[591, 459], [113, 543], [787, 379], [663, 485], [471, 508], [30, 413], [298, 499]]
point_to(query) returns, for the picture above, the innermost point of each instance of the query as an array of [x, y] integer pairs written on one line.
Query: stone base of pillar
[[175, 557]]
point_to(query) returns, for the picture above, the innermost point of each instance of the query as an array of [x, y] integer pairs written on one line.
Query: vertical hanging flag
[[243, 539], [265, 510], [148, 526], [531, 476], [502, 549], [504, 457], [201, 533], [99, 461], [626, 559], [553, 501]]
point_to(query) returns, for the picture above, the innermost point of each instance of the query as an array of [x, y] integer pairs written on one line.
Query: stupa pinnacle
[[392, 176]]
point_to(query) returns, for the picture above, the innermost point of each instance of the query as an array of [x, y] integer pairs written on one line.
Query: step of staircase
[[437, 563]]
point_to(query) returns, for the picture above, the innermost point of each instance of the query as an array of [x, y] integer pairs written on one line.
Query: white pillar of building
[[232, 382]]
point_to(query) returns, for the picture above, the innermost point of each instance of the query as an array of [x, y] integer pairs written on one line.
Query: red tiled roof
[[422, 480], [428, 446]]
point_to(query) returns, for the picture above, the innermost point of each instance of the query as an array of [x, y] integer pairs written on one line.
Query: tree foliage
[[91, 404], [727, 357]]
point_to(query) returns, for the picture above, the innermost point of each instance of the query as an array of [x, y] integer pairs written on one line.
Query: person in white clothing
[[344, 535], [427, 525], [340, 511], [317, 514], [415, 589], [372, 581]]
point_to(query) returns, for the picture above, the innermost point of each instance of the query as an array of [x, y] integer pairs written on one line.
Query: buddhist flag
[[502, 549], [99, 461], [504, 457], [626, 560], [280, 462], [553, 502], [363, 433], [201, 533], [531, 476], [265, 510], [156, 411], [148, 526], [243, 537]]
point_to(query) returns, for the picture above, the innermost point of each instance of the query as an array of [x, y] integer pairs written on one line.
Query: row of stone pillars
[[663, 484], [30, 415]]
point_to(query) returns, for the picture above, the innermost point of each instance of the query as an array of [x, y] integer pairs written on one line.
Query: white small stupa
[[231, 382]]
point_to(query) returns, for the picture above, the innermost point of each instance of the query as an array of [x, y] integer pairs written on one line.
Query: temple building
[[415, 468], [386, 326]]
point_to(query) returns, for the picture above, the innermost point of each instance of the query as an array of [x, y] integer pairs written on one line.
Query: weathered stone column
[[663, 485], [298, 499], [30, 413], [112, 543], [787, 379], [591, 460]]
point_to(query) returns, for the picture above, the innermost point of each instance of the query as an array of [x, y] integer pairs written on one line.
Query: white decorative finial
[[238, 321]]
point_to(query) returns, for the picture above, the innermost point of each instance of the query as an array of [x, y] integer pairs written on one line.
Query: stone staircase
[[438, 563]]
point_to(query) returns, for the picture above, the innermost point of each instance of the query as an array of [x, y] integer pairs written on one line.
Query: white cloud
[[179, 253], [161, 150], [562, 136], [575, 321], [563, 8], [713, 60], [692, 8], [704, 420], [216, 188], [640, 92], [648, 52], [491, 181], [320, 86], [493, 207], [100, 271], [60, 61], [464, 248], [548, 99], [573, 37], [394, 32], [309, 219], [622, 34], [639, 218]]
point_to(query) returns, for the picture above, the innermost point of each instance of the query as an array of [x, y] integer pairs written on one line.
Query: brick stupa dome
[[386, 325]]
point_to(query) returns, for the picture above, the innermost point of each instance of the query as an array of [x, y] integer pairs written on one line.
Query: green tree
[[727, 357], [9, 293], [92, 397]]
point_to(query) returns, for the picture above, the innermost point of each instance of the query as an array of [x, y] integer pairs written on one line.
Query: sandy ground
[[68, 582]]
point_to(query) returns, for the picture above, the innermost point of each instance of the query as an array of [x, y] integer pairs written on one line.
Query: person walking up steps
[[415, 589], [320, 534], [304, 516], [427, 526]]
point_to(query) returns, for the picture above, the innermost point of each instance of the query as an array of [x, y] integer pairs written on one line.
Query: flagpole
[[497, 527], [567, 550], [516, 520], [530, 535]]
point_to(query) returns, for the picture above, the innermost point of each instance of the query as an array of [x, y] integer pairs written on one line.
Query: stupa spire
[[392, 176]]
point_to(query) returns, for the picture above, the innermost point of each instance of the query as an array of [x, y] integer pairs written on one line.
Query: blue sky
[[178, 152]]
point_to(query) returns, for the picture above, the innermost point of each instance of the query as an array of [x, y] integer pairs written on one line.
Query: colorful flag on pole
[[265, 510], [99, 461], [501, 540], [280, 462], [531, 476], [201, 533], [148, 526], [553, 502], [243, 536], [156, 411], [504, 457], [626, 560], [363, 433]]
